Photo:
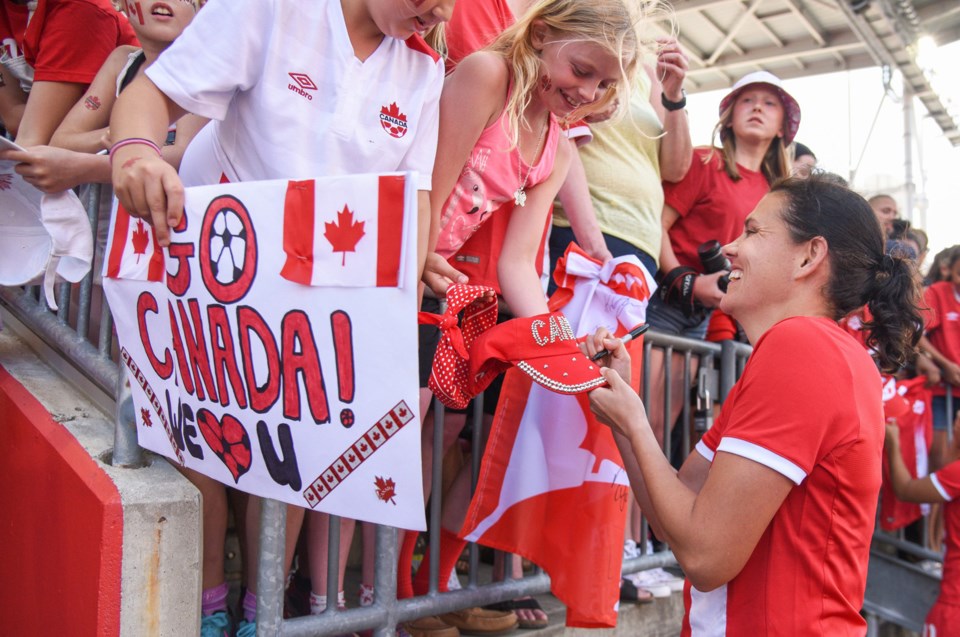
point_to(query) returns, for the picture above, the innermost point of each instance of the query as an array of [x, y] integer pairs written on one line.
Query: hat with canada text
[[543, 347]]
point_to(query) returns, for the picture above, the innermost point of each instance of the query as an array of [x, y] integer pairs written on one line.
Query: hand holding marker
[[632, 334]]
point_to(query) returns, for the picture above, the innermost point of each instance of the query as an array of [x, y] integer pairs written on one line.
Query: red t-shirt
[[66, 40], [943, 324], [909, 402], [807, 406], [473, 25], [722, 327], [710, 204], [947, 481]]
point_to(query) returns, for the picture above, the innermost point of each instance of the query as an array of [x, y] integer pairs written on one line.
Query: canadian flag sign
[[273, 345], [552, 486]]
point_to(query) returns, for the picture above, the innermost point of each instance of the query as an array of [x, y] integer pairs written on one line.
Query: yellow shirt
[[623, 173]]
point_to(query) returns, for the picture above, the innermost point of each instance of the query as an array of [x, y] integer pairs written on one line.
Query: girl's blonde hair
[[777, 163], [613, 24]]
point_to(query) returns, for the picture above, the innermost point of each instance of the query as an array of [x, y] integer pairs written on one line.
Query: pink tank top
[[488, 180]]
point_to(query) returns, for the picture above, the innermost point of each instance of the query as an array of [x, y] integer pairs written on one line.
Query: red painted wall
[[61, 527]]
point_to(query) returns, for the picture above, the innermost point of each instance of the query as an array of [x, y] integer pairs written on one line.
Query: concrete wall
[[87, 549]]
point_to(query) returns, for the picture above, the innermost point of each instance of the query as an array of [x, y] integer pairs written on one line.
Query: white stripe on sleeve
[[764, 456], [936, 483]]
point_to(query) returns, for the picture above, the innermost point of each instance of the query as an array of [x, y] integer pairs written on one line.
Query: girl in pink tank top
[[500, 146]]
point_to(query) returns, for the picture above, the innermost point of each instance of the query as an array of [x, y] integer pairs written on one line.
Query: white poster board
[[273, 345]]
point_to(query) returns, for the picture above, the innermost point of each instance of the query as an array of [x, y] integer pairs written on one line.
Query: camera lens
[[711, 256]]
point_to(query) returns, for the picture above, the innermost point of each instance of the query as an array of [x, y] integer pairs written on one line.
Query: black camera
[[711, 256]]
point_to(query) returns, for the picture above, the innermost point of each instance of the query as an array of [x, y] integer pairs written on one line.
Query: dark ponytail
[[861, 273], [894, 303]]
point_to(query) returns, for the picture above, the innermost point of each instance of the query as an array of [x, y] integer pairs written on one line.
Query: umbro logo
[[303, 84]]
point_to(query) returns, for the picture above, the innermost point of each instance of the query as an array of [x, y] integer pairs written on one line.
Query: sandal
[[630, 593], [527, 603]]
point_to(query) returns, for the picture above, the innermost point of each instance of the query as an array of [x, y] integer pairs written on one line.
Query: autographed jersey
[[808, 406], [289, 98]]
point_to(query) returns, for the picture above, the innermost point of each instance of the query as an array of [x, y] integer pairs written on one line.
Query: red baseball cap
[[544, 347]]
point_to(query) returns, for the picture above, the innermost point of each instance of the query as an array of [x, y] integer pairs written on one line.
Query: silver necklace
[[520, 196]]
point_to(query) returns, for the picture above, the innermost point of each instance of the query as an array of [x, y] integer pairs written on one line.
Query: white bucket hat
[[41, 236], [791, 109]]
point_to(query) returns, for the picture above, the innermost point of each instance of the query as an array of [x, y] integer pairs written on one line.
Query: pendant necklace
[[520, 196]]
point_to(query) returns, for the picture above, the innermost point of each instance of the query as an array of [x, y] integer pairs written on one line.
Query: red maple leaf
[[140, 240], [344, 233], [386, 489], [145, 416], [393, 121]]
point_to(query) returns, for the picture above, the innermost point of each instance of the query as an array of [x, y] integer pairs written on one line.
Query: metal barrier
[[81, 333], [387, 612], [87, 344]]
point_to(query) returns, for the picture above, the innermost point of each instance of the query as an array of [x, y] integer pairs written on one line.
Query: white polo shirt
[[290, 100]]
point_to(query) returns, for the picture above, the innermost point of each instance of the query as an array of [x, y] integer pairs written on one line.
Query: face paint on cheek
[[134, 9]]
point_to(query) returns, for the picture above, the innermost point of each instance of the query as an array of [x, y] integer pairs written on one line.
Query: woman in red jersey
[[771, 516]]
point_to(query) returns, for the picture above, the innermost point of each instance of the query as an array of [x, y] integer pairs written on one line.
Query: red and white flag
[[552, 486], [336, 243], [133, 250]]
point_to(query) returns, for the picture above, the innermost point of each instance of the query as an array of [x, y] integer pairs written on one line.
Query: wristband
[[131, 141], [670, 105]]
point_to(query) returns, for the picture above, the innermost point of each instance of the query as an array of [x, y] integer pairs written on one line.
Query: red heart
[[228, 440]]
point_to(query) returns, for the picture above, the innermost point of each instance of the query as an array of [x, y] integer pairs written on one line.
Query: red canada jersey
[[809, 407], [907, 401], [947, 481], [943, 324]]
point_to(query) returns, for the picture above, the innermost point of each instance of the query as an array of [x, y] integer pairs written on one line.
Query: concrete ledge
[[161, 557]]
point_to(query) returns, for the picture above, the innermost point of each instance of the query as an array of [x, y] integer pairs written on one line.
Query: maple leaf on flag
[[386, 489], [145, 416], [344, 233], [140, 240]]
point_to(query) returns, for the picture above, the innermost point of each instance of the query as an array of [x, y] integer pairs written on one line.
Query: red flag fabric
[[552, 485], [915, 420]]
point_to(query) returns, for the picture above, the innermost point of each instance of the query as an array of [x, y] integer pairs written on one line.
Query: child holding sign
[[296, 90]]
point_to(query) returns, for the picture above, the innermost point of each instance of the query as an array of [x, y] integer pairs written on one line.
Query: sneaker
[[247, 629], [215, 625], [644, 580], [664, 577], [931, 567], [365, 595]]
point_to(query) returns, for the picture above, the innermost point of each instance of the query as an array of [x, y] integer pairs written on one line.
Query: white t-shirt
[[290, 100]]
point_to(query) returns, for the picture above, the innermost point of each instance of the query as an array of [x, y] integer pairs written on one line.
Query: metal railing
[[81, 333]]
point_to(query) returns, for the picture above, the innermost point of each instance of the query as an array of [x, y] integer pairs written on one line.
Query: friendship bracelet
[[129, 142]]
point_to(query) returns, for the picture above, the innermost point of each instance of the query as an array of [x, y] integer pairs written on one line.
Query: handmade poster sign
[[273, 345]]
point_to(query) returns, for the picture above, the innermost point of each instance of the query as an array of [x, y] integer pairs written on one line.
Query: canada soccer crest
[[393, 121]]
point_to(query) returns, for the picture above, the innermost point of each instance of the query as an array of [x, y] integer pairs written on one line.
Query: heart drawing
[[228, 440]]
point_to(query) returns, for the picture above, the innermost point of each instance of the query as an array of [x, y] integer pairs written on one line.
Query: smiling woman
[[771, 516]]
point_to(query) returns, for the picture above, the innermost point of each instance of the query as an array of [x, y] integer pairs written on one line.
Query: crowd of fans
[[551, 122]]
